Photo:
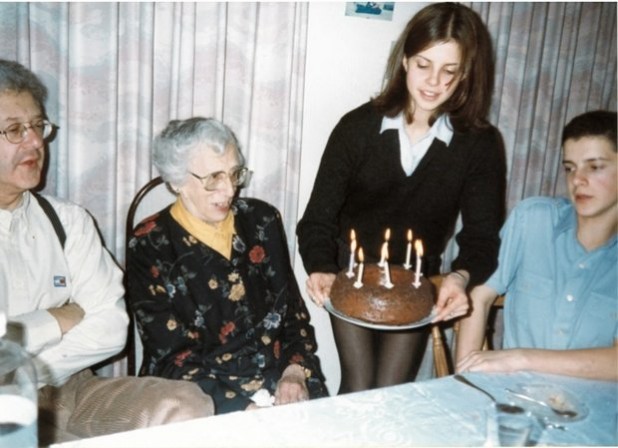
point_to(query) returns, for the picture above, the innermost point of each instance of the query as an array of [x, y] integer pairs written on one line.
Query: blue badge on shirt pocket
[[60, 281]]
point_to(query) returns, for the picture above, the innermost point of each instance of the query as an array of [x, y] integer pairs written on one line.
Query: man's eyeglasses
[[16, 133], [238, 177]]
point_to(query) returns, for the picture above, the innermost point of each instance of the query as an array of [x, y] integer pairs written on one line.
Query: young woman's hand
[[452, 300], [318, 286]]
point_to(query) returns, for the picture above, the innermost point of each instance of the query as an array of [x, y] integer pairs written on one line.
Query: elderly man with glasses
[[63, 293]]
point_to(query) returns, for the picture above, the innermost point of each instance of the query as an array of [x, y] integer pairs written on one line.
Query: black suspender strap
[[53, 217]]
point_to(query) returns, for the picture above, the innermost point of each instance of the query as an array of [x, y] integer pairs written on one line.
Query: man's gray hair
[[14, 77], [175, 145]]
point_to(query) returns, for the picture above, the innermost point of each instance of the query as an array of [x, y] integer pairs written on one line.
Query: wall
[[346, 57]]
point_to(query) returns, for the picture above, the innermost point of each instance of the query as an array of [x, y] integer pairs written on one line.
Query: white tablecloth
[[441, 412]]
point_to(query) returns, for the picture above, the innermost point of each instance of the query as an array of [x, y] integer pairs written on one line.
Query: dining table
[[434, 412]]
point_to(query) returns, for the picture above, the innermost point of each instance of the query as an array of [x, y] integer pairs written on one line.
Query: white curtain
[[553, 61], [118, 72]]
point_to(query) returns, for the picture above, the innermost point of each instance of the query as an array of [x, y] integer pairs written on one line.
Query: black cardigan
[[361, 185]]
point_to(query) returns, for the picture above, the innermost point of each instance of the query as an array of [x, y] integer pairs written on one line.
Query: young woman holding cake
[[414, 157], [558, 270]]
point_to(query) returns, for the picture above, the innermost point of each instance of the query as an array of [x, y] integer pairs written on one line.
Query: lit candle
[[387, 236], [418, 247], [359, 279], [387, 272], [382, 251], [407, 264], [350, 272]]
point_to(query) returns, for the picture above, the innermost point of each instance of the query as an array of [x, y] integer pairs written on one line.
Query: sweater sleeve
[[482, 208], [318, 229]]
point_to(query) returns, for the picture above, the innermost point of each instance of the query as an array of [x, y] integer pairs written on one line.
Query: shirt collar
[[217, 237], [23, 205], [441, 129], [568, 223]]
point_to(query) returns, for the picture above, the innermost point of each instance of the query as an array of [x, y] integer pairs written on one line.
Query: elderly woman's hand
[[452, 298], [291, 387], [318, 286]]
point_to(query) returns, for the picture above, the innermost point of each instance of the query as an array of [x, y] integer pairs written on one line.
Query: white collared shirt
[[411, 154], [36, 274]]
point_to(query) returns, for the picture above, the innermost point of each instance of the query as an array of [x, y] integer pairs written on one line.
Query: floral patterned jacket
[[232, 326]]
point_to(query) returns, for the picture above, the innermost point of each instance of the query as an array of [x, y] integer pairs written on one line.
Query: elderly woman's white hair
[[175, 145]]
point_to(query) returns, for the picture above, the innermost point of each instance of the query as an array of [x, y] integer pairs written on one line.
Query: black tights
[[375, 358]]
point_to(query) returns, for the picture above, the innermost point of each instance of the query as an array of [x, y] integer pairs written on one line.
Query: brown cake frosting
[[373, 302]]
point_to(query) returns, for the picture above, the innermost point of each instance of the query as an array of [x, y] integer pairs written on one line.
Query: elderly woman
[[211, 284]]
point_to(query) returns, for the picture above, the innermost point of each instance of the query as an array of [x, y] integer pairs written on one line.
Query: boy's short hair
[[597, 123]]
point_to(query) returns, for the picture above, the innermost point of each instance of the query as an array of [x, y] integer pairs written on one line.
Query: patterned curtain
[[118, 72], [553, 61]]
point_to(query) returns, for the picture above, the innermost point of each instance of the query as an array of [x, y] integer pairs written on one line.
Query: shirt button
[[582, 266], [570, 298]]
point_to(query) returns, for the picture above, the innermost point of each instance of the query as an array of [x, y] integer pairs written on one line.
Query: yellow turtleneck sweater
[[218, 237]]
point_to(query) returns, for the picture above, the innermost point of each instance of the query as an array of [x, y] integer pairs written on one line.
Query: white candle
[[387, 236], [387, 272], [407, 264], [382, 260], [350, 272], [418, 246], [359, 279]]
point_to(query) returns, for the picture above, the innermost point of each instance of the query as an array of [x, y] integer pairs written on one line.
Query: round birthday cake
[[373, 302]]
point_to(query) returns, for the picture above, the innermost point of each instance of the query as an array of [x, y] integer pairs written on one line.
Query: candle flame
[[352, 235], [409, 235], [384, 251], [418, 247], [353, 245], [361, 257], [387, 234]]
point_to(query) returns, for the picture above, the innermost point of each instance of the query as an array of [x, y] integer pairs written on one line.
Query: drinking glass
[[513, 428]]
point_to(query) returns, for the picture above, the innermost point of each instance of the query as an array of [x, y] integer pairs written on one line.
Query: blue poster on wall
[[370, 10]]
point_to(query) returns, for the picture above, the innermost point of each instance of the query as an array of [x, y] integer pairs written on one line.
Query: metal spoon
[[504, 407], [562, 413]]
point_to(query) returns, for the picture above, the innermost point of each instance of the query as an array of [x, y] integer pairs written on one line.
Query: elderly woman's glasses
[[211, 182], [16, 133]]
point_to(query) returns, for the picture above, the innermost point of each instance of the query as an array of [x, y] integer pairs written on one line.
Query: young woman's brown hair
[[441, 23]]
